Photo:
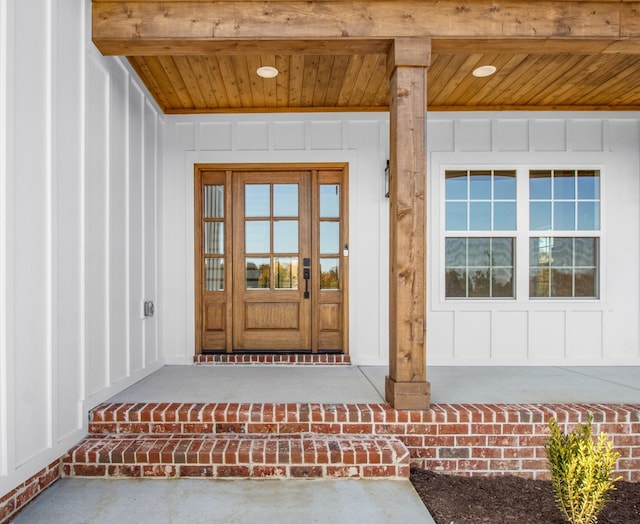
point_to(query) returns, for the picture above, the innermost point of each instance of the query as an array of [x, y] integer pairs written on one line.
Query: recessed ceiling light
[[483, 71], [267, 72]]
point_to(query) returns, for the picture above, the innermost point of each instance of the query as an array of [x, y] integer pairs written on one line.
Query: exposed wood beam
[[406, 386], [163, 23]]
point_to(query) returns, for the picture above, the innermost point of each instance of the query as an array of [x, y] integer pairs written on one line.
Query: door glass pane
[[329, 238], [214, 201], [257, 237], [329, 200], [285, 200], [329, 273], [214, 238], [257, 272], [214, 274], [256, 200], [285, 236], [285, 273]]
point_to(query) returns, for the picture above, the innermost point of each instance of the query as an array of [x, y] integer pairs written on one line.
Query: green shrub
[[580, 471]]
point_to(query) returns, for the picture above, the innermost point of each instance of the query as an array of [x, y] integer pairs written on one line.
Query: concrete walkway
[[189, 501]]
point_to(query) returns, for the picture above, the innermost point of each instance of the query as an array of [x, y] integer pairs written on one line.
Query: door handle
[[306, 274]]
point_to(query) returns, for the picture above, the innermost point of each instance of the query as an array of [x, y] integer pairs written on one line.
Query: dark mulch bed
[[455, 500]]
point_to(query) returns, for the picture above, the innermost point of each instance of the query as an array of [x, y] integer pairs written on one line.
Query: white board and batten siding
[[79, 182], [519, 331]]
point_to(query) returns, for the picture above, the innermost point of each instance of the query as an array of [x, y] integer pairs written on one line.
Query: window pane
[[455, 252], [564, 185], [589, 185], [329, 273], [285, 236], [256, 200], [540, 185], [504, 216], [455, 185], [329, 238], [285, 272], [479, 252], [564, 216], [562, 252], [504, 185], [540, 251], [456, 219], [561, 283], [480, 185], [586, 252], [502, 252], [456, 283], [257, 273], [588, 216], [480, 216], [214, 238], [502, 283], [214, 274], [586, 283], [257, 237], [329, 200], [478, 282], [539, 279], [214, 201], [540, 216], [285, 200]]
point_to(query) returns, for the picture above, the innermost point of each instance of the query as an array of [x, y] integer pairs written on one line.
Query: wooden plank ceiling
[[559, 55]]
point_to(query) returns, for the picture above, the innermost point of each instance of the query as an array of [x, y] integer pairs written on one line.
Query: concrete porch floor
[[365, 384], [73, 500]]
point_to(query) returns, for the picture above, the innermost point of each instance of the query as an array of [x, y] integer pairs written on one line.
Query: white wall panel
[[549, 135], [548, 335], [289, 136], [586, 135], [510, 341], [472, 335], [440, 336], [473, 135], [511, 135], [440, 135], [585, 332], [215, 137], [252, 136], [326, 135]]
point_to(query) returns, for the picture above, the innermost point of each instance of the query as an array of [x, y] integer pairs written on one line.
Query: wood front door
[[271, 258]]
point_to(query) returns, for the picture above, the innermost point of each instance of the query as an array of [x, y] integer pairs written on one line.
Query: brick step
[[238, 456], [270, 418]]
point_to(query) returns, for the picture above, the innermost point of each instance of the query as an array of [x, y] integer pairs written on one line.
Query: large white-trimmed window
[[480, 223], [563, 260]]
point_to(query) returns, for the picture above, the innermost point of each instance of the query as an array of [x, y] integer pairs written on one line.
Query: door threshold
[[280, 358]]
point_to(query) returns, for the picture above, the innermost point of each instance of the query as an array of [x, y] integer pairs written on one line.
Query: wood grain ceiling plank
[[270, 85], [227, 72], [440, 77], [241, 74], [458, 82], [350, 76], [325, 65], [309, 80], [199, 69], [189, 77], [163, 81], [282, 80], [336, 79], [378, 76], [473, 90], [256, 83], [142, 69], [381, 99], [171, 70], [218, 84], [296, 80], [614, 80], [511, 82]]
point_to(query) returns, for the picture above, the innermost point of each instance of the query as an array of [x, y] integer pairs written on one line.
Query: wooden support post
[[406, 385]]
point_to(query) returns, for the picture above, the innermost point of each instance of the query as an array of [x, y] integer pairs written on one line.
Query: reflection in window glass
[[257, 237], [480, 216], [257, 272], [456, 185], [479, 267], [257, 200], [480, 185], [214, 274], [285, 200], [214, 238], [329, 238], [563, 267], [329, 273], [285, 236], [329, 200], [213, 201], [285, 273], [456, 216]]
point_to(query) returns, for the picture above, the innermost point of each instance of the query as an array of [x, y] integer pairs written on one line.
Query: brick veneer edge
[[465, 439], [18, 498]]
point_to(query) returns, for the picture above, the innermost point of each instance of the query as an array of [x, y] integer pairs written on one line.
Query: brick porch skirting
[[299, 359]]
